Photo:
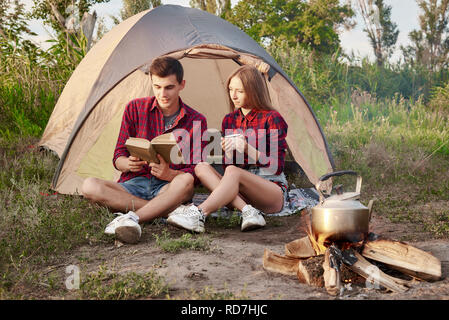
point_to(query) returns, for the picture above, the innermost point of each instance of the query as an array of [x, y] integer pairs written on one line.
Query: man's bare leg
[[111, 194], [179, 190]]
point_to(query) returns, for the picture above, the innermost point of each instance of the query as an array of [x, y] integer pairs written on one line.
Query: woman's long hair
[[255, 88]]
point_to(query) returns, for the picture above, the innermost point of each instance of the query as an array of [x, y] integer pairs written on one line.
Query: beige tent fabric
[[93, 142], [74, 96], [205, 87], [304, 137]]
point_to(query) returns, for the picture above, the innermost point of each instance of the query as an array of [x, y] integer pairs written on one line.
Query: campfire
[[316, 261]]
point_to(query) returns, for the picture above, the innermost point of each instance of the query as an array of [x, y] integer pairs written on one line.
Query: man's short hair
[[166, 66]]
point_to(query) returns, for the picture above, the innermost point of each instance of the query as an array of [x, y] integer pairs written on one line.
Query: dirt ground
[[234, 262]]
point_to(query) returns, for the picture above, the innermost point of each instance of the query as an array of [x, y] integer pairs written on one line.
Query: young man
[[147, 191]]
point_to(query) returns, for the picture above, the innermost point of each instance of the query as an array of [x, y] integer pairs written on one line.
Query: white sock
[[246, 207]]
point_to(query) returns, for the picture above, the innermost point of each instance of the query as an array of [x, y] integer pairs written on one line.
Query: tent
[[84, 125]]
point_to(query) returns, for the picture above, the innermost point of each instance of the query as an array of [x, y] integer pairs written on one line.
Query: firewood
[[405, 258], [310, 271], [332, 281], [300, 248], [375, 276], [280, 264]]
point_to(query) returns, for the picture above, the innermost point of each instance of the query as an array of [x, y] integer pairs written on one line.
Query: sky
[[404, 13]]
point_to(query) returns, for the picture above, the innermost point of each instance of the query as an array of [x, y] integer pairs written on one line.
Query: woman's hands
[[237, 142]]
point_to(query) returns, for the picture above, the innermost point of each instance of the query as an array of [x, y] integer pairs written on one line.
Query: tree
[[13, 23], [69, 18], [217, 7], [430, 44], [311, 24], [382, 32], [132, 7]]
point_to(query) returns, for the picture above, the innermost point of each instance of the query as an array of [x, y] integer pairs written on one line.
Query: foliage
[[186, 241], [329, 79], [439, 100], [112, 286], [382, 32], [42, 9], [430, 44], [133, 7], [13, 26], [217, 7], [311, 24]]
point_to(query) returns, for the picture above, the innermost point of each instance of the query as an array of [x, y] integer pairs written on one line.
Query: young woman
[[254, 145]]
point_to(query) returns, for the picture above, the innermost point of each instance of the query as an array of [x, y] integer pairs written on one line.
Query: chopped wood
[[405, 258], [300, 248], [280, 264], [375, 276], [310, 271], [331, 276]]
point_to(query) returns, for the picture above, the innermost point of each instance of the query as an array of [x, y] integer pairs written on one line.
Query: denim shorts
[[279, 179], [144, 188]]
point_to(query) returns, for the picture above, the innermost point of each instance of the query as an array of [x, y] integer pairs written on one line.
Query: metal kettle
[[341, 217]]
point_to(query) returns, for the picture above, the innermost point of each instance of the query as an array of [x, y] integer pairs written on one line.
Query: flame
[[317, 244]]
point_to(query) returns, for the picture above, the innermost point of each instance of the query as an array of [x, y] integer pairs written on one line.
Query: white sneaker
[[178, 210], [252, 218], [125, 227], [191, 218]]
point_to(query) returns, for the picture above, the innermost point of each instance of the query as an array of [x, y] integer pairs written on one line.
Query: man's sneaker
[[191, 218], [252, 218], [125, 227]]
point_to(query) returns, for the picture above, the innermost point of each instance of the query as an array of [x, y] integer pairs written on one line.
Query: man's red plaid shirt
[[142, 118]]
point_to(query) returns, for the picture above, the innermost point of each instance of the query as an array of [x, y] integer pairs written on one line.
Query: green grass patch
[[37, 225], [107, 285], [186, 242]]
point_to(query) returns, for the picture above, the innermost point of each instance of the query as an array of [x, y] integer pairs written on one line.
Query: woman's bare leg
[[262, 194], [210, 178]]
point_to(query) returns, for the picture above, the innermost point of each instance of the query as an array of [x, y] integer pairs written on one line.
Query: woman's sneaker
[[252, 218], [125, 227], [178, 210], [190, 218]]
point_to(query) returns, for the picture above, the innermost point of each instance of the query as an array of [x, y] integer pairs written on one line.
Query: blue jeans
[[144, 188]]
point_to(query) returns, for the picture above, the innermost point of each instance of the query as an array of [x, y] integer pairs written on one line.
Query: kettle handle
[[338, 173]]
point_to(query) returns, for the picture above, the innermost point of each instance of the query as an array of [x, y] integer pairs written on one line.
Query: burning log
[[310, 271], [331, 273], [300, 248], [375, 276], [404, 258], [281, 264]]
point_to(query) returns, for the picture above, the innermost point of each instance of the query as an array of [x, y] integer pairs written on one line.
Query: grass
[[35, 222], [109, 285], [187, 241]]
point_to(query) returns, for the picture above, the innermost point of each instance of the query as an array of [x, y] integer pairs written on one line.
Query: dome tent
[[84, 125]]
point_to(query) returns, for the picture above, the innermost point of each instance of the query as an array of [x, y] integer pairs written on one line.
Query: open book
[[165, 145]]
